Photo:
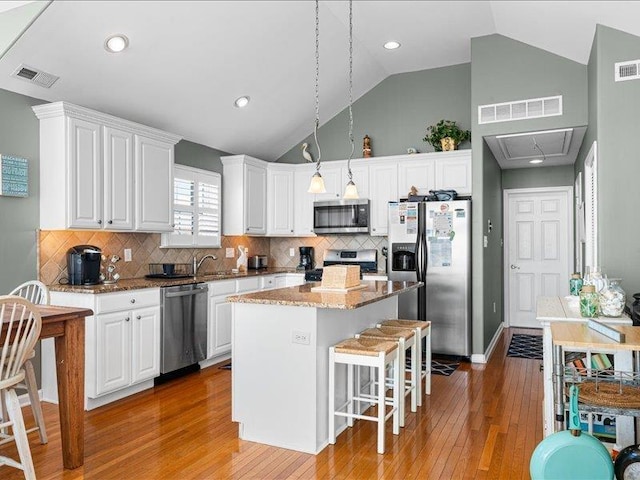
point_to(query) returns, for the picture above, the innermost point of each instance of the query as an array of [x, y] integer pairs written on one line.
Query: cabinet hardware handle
[[126, 319], [139, 317], [110, 222], [515, 267], [133, 300], [99, 222]]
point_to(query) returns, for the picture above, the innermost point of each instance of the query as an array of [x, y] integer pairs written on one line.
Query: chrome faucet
[[197, 264]]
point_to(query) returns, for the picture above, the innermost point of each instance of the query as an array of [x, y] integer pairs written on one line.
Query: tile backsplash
[[145, 249]]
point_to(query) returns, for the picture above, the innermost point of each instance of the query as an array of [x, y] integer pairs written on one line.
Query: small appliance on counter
[[367, 260], [306, 258], [256, 262], [170, 270], [83, 264]]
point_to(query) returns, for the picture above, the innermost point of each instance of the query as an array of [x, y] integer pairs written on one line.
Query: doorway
[[538, 251]]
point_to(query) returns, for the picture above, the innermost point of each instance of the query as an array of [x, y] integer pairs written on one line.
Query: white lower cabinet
[[127, 348], [219, 318]]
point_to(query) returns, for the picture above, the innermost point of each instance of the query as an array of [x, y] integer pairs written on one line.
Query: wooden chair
[[21, 326], [36, 292]]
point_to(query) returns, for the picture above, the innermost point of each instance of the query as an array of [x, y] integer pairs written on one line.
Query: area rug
[[225, 367], [525, 346], [440, 368]]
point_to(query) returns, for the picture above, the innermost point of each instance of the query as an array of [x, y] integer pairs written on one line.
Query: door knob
[[515, 267], [139, 317]]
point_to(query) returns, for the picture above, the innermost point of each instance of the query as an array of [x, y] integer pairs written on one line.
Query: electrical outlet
[[301, 337], [292, 252], [228, 253], [494, 307], [486, 241], [127, 254]]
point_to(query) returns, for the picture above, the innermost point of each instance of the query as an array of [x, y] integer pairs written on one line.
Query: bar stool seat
[[406, 338], [366, 352], [423, 331]]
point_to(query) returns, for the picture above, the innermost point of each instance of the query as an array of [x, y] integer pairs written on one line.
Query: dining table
[[66, 326]]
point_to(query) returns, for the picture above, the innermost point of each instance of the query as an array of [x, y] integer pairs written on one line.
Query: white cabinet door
[[419, 173], [154, 185], [281, 281], [293, 279], [383, 185], [267, 282], [303, 201], [332, 175], [280, 202], [113, 351], [255, 195], [145, 344], [118, 179], [454, 173], [219, 327], [85, 171]]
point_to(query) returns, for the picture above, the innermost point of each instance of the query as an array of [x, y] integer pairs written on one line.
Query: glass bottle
[[589, 301], [612, 299], [575, 284], [593, 276]]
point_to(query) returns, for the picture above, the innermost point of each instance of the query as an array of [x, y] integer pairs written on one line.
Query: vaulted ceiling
[[189, 60]]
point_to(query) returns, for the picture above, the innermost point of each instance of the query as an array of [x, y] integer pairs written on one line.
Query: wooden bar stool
[[406, 339], [423, 330], [365, 352]]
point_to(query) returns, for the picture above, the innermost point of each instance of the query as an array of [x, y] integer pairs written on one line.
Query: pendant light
[[317, 182], [350, 191]]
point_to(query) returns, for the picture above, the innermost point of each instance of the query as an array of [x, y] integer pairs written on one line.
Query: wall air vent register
[[520, 110], [35, 76]]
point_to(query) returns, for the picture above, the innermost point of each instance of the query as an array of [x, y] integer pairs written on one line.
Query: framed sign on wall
[[14, 176]]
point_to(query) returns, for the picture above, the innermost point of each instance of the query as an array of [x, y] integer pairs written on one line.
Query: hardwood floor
[[481, 422]]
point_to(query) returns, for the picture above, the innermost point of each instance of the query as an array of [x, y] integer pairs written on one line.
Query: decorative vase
[[589, 306], [448, 144], [612, 299]]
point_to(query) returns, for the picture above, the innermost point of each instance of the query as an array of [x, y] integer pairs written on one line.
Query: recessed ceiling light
[[535, 161], [242, 101], [391, 45], [116, 43]]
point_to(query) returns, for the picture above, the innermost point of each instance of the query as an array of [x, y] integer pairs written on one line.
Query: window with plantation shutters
[[196, 209]]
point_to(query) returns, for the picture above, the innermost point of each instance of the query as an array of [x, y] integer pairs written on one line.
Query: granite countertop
[[302, 296], [139, 283]]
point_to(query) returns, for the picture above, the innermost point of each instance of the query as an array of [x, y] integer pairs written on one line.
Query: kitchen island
[[280, 354]]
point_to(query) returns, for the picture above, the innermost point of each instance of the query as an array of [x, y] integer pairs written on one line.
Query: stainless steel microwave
[[341, 216]]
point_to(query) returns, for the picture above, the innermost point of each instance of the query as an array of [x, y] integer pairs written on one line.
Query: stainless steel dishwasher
[[184, 326]]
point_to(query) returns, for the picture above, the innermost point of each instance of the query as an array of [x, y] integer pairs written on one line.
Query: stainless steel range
[[367, 259]]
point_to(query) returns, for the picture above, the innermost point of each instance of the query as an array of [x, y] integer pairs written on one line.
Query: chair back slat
[[34, 291], [19, 332]]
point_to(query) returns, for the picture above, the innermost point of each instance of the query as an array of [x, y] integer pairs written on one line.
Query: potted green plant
[[446, 135]]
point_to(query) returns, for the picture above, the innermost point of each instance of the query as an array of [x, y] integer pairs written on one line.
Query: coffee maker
[[83, 264], [306, 258]]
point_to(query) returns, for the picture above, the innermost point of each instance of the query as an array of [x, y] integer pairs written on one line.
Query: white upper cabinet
[[244, 195], [303, 201], [89, 166], [154, 185], [118, 179], [280, 205], [453, 171], [383, 188], [416, 172]]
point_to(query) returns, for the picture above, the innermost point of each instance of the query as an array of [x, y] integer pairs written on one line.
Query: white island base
[[280, 369]]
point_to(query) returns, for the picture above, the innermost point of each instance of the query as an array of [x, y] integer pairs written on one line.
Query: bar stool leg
[[332, 396], [416, 370], [381, 403], [419, 363], [398, 393], [427, 379], [350, 394]]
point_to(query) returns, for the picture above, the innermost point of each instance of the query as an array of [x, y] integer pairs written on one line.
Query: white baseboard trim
[[484, 357]]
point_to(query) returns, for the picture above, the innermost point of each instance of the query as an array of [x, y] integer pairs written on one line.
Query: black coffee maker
[[306, 258], [83, 264]]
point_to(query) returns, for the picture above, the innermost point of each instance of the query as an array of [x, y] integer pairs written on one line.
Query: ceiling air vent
[[629, 70], [520, 110], [33, 75]]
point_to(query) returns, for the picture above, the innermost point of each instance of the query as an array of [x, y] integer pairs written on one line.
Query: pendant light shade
[[317, 184], [351, 191]]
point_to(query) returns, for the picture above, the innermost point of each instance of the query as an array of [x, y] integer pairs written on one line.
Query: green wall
[[395, 114], [538, 177], [504, 70], [199, 156], [614, 124]]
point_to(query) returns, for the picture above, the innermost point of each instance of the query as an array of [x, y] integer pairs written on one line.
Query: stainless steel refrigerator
[[431, 242]]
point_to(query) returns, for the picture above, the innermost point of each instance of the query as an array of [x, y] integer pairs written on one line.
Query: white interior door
[[539, 249]]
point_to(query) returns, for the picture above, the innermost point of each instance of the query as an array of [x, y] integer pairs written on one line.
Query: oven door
[[341, 216]]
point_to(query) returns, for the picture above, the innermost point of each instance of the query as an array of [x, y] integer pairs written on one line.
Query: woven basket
[[341, 276], [609, 394]]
